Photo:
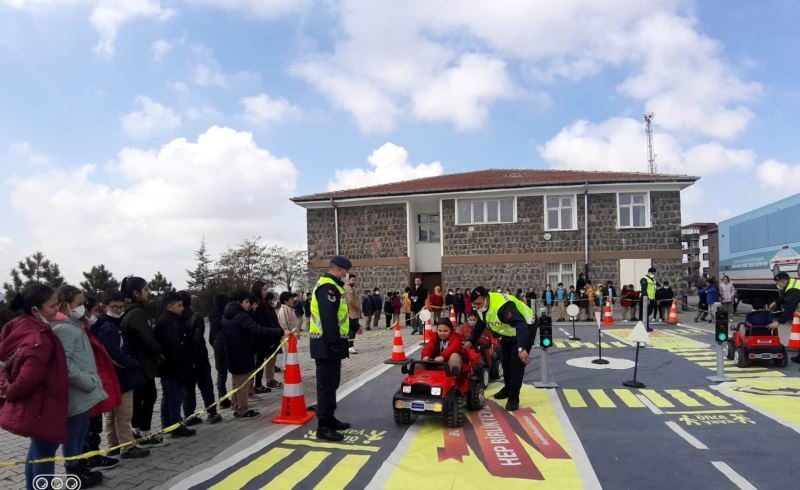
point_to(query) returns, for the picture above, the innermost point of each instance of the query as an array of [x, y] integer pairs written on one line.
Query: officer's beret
[[478, 292], [342, 262], [651, 270], [781, 275]]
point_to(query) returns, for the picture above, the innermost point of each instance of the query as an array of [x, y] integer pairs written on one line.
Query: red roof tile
[[495, 179]]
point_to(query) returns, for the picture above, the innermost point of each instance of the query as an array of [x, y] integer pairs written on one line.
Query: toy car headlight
[[436, 391], [407, 389]]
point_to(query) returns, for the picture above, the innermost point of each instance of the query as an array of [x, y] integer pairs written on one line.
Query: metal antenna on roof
[[651, 156]]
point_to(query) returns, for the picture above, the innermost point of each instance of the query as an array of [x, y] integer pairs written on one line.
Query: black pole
[[634, 383], [600, 359], [574, 337]]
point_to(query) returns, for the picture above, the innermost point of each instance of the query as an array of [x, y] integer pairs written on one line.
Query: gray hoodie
[[85, 387]]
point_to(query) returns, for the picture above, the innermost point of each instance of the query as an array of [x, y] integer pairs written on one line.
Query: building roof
[[703, 227], [495, 179]]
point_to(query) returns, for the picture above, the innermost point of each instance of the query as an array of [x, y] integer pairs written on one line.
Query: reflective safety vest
[[496, 301], [793, 284], [651, 287], [315, 325]]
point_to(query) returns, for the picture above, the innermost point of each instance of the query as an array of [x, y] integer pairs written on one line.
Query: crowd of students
[[74, 368]]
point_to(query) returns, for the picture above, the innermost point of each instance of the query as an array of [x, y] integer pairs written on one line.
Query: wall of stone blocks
[[503, 275], [387, 278]]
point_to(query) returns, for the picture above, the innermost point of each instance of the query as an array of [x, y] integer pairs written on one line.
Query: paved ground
[[681, 430]]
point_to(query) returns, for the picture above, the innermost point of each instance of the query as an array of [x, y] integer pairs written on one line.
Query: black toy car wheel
[[497, 369], [402, 416], [476, 396], [454, 417], [782, 362], [729, 349], [740, 356], [484, 377]]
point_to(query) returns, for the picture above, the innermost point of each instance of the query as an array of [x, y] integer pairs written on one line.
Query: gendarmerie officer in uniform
[[648, 287], [328, 329], [515, 324]]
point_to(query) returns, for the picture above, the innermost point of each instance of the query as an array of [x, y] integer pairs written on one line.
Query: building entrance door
[[429, 279]]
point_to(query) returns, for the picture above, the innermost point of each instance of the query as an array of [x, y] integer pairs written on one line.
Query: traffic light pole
[[721, 336], [545, 341], [720, 376], [546, 382]]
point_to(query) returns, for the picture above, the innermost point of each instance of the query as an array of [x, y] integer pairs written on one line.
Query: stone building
[[700, 243], [502, 228]]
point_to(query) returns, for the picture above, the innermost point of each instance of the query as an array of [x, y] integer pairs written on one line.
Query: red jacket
[[108, 376], [454, 347], [35, 386]]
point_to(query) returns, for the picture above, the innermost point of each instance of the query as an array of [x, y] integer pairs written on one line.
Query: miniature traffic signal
[[721, 329], [545, 332]]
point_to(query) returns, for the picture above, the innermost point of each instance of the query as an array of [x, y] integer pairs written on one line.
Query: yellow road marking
[[704, 412], [243, 475], [574, 398], [296, 473], [343, 473], [560, 344], [590, 345], [746, 369], [763, 374], [619, 344], [575, 344], [683, 398], [628, 398], [710, 398], [606, 345], [330, 445], [602, 400], [657, 399]]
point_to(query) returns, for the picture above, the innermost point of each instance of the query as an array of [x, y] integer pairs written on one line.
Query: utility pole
[[651, 156]]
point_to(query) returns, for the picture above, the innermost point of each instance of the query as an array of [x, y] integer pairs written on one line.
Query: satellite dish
[[424, 316], [573, 310]]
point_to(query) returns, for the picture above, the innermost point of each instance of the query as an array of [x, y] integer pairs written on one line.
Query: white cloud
[[262, 110], [158, 203], [209, 74], [23, 152], [779, 178], [207, 112], [153, 118], [389, 164], [107, 16], [268, 9], [161, 48], [621, 144], [179, 87]]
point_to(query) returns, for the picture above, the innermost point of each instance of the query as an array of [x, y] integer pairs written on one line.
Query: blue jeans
[[39, 449], [172, 392], [77, 429]]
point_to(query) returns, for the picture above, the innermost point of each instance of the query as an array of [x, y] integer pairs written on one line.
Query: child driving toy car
[[447, 347]]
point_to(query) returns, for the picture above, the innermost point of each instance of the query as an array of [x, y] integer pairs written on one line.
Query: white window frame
[[485, 211], [561, 273], [647, 220], [547, 226], [428, 225]]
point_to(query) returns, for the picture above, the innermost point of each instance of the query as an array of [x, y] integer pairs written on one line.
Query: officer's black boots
[[501, 395], [512, 405], [328, 434], [338, 425]]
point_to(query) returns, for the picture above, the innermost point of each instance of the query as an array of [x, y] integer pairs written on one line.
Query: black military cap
[[342, 262]]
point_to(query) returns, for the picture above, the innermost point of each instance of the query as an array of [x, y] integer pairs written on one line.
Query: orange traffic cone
[[608, 316], [453, 315], [673, 312], [293, 409], [794, 337], [398, 351]]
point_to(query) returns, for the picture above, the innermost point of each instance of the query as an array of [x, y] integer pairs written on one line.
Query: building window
[[560, 213], [632, 210], [705, 271], [485, 211], [705, 256], [428, 227], [561, 273], [705, 242]]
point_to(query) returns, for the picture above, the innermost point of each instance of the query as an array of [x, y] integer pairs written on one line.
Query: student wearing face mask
[[33, 378], [85, 386], [108, 376], [446, 347], [117, 422], [265, 313], [548, 299]]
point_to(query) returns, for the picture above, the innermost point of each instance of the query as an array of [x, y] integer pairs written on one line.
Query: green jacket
[[85, 387]]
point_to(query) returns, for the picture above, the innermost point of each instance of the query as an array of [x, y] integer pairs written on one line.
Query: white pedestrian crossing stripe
[[626, 398]]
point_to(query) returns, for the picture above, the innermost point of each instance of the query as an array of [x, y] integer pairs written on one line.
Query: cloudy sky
[[129, 129]]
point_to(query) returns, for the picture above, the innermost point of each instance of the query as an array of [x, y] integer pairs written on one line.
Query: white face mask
[[472, 323], [113, 314], [92, 320], [377, 292], [482, 310], [77, 313]]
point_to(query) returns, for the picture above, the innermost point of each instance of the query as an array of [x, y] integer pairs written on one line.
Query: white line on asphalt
[[564, 332], [649, 404], [582, 462], [686, 436], [741, 400], [195, 478], [734, 477], [385, 471]]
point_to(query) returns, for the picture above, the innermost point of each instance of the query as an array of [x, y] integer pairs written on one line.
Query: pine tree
[[98, 280], [159, 285], [201, 276], [33, 269], [239, 267]]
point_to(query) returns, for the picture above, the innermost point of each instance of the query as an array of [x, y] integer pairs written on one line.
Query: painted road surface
[[680, 431]]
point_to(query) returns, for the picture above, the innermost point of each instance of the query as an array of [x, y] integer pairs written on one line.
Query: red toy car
[[430, 389], [751, 343]]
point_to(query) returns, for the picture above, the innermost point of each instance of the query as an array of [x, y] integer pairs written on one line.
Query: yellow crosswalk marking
[[343, 473], [707, 363], [628, 398], [683, 398], [590, 345], [657, 399], [619, 344], [575, 345], [606, 345], [330, 445], [602, 400], [296, 473], [242, 476], [710, 398], [762, 374], [574, 398], [734, 369], [560, 344]]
